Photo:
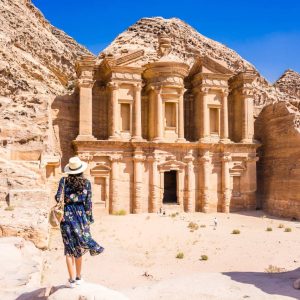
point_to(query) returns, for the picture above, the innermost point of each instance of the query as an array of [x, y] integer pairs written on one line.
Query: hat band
[[75, 168]]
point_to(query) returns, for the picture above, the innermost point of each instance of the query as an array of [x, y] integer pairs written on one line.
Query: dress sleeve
[[60, 189], [88, 203]]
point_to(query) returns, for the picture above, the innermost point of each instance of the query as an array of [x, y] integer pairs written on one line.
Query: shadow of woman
[[40, 294]]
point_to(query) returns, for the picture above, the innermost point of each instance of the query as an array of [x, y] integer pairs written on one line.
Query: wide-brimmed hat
[[75, 166]]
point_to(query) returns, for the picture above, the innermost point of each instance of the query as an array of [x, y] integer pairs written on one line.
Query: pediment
[[129, 58], [207, 65], [237, 169], [100, 169], [172, 165]]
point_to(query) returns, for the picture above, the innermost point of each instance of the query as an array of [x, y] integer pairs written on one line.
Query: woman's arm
[[60, 189], [88, 203]]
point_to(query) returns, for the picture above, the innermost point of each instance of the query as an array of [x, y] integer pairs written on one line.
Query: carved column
[[138, 159], [248, 118], [114, 125], [159, 116], [204, 114], [226, 188], [181, 117], [224, 117], [114, 203], [154, 185], [190, 187], [85, 108], [137, 134], [206, 164]]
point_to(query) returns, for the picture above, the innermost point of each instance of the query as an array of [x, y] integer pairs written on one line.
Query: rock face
[[21, 265], [37, 63], [86, 291], [289, 83], [277, 127]]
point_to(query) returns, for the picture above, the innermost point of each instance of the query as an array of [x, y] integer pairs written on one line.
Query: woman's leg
[[78, 263], [70, 265]]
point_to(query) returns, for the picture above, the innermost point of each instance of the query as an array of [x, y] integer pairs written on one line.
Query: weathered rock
[[289, 83], [87, 291], [21, 266], [277, 127]]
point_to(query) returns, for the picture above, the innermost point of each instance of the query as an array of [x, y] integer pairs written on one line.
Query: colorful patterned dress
[[78, 216]]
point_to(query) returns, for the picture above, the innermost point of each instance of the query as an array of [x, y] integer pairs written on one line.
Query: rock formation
[[21, 265], [36, 64], [289, 83]]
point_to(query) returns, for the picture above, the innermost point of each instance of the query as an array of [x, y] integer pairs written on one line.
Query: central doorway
[[170, 187]]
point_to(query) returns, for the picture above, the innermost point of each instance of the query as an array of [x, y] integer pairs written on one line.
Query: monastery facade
[[167, 134]]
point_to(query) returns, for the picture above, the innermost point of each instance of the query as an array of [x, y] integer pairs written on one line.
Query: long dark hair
[[76, 183]]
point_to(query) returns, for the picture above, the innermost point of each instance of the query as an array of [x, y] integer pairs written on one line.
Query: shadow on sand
[[279, 284], [40, 294]]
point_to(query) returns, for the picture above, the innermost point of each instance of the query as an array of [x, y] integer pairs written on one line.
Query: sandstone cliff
[[36, 63]]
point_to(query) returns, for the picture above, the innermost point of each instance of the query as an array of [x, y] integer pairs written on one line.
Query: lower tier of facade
[[141, 177]]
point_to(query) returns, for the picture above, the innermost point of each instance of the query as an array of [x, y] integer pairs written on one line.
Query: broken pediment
[[206, 65]]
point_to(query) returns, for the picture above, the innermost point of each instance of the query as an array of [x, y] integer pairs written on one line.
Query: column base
[[137, 139], [181, 140], [205, 140], [87, 137], [248, 141], [114, 138], [157, 139], [225, 141]]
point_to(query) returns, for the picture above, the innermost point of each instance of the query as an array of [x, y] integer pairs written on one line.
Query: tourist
[[75, 225]]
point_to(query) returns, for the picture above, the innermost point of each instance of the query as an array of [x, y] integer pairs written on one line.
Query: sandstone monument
[[164, 116], [166, 132]]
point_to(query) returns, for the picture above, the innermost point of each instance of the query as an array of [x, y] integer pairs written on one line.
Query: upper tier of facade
[[165, 100]]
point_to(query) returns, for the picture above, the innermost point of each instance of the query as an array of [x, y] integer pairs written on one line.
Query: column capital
[[137, 87], [182, 91], [201, 90], [225, 92], [86, 82], [115, 157], [156, 88], [226, 157], [113, 85], [138, 156], [204, 158], [252, 158]]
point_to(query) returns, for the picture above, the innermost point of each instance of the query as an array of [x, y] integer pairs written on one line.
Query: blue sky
[[265, 32]]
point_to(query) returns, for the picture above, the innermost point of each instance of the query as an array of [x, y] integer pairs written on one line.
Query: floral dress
[[78, 216]]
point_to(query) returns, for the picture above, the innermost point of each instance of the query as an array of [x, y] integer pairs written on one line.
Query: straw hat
[[75, 166]]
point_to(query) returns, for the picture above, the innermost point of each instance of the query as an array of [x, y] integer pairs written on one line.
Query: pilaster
[[205, 162], [137, 119], [226, 188], [114, 125], [190, 187], [114, 203], [138, 160]]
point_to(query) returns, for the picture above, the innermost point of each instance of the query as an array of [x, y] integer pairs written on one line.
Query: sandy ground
[[140, 256]]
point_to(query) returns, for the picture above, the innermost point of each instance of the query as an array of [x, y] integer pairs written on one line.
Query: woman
[[75, 229]]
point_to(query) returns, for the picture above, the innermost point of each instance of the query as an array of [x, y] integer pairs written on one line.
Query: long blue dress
[[75, 229]]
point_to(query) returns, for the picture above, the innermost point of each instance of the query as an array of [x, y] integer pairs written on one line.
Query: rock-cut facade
[[166, 134]]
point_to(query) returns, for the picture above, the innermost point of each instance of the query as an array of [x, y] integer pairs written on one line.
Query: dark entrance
[[170, 187]]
